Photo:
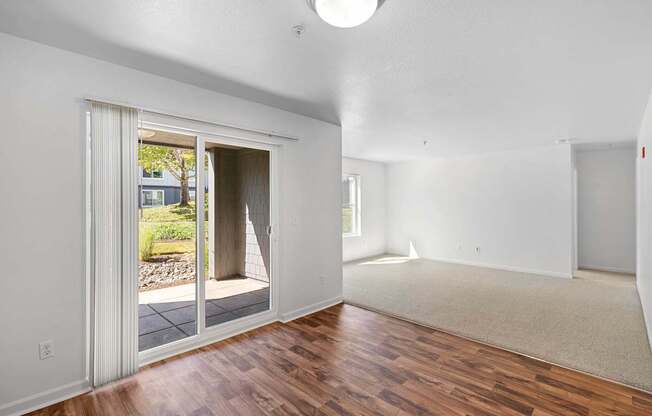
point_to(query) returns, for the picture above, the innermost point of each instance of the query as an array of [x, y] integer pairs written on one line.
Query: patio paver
[[152, 323], [163, 322], [154, 339]]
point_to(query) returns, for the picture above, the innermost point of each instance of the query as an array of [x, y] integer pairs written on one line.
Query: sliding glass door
[[204, 234]]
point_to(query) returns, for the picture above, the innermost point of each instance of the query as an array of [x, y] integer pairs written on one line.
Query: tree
[[179, 162]]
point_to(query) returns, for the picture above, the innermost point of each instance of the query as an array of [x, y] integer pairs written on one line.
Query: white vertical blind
[[114, 185]]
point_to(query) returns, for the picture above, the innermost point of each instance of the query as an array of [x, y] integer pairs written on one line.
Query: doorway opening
[[605, 212], [237, 272]]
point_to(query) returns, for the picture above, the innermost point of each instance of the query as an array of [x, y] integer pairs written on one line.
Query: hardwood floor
[[350, 361]]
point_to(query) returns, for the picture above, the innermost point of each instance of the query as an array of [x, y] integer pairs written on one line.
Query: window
[[350, 205], [153, 197], [153, 173]]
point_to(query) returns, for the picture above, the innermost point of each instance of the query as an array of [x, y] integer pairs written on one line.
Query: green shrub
[[146, 244], [174, 231]]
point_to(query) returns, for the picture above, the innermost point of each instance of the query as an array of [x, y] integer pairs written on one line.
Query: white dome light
[[345, 13]]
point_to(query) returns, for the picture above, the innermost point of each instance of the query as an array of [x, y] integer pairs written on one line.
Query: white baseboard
[[504, 267], [46, 398], [646, 319], [307, 310], [363, 256], [607, 269]]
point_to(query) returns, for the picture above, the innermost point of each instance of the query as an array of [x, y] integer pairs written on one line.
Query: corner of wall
[[643, 235], [310, 309], [385, 209], [646, 316]]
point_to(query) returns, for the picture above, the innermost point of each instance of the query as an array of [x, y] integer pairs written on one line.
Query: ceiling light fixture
[[345, 13]]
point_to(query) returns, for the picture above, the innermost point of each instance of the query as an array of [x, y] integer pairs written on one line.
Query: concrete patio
[[169, 314]]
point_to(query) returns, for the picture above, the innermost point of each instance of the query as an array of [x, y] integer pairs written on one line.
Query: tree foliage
[[179, 162]]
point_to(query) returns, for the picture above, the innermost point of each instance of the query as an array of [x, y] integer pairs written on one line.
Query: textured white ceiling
[[467, 75]]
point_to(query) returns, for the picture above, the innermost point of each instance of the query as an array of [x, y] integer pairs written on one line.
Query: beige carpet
[[593, 323]]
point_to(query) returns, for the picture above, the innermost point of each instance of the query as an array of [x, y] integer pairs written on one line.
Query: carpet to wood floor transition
[[592, 324]]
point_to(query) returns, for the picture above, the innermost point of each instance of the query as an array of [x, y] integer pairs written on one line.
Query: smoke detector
[[298, 30]]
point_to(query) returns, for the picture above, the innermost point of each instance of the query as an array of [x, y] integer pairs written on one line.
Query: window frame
[[142, 196], [144, 169], [356, 205]]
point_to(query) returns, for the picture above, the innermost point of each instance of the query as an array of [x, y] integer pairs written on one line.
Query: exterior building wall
[[224, 250], [166, 180], [253, 207], [168, 183], [172, 194], [240, 208]]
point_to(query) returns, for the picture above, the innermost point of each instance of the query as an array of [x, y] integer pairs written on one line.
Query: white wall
[[516, 206], [606, 193], [41, 214], [372, 202], [644, 218]]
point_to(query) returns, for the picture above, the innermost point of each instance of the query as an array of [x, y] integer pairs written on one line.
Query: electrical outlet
[[322, 280], [459, 247], [46, 349], [477, 250]]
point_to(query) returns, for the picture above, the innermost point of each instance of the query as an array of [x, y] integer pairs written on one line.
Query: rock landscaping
[[166, 270]]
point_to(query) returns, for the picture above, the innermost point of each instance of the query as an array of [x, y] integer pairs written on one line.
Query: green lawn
[[169, 213], [173, 247]]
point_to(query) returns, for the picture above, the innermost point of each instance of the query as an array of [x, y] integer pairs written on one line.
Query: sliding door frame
[[206, 133], [200, 179]]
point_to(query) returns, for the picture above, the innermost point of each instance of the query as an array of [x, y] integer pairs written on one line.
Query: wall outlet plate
[[46, 349]]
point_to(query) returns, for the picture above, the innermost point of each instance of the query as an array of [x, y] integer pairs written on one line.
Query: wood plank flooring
[[350, 361]]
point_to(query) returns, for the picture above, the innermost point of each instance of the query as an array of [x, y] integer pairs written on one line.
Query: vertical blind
[[114, 238]]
